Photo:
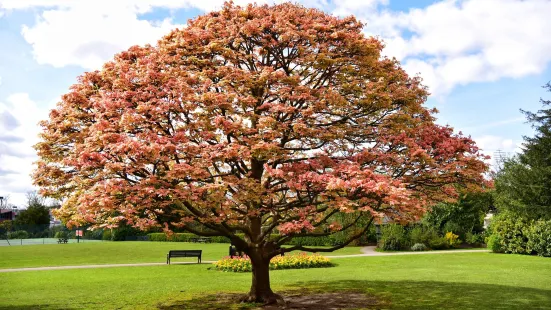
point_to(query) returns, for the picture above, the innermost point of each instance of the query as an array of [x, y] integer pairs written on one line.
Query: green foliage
[[313, 241], [5, 227], [93, 234], [18, 234], [296, 261], [465, 216], [345, 219], [523, 186], [33, 215], [474, 239], [494, 243], [61, 234], [186, 237], [419, 247], [393, 238], [438, 243], [106, 235], [422, 234], [509, 232], [539, 238]]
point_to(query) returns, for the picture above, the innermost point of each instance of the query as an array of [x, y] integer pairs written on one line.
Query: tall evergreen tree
[[524, 184]]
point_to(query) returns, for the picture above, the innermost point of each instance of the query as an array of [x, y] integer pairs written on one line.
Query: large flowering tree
[[261, 120]]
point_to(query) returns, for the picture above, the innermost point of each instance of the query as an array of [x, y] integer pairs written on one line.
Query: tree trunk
[[260, 289]]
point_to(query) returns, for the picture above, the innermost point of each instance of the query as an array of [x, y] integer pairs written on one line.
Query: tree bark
[[260, 289]]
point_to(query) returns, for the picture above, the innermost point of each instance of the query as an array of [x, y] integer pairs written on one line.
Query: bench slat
[[184, 253]]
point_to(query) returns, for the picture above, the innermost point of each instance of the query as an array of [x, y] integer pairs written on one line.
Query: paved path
[[370, 251], [367, 251], [98, 266]]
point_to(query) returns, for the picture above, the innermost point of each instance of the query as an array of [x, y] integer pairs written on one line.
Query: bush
[[455, 228], [452, 239], [18, 234], [419, 247], [93, 234], [393, 238], [106, 235], [539, 238], [493, 243], [438, 243], [314, 241], [422, 234], [60, 235], [474, 239], [297, 261], [510, 232]]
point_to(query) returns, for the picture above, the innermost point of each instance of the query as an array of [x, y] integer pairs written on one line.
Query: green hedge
[[18, 234], [304, 241]]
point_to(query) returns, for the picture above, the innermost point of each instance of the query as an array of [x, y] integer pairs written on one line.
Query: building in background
[[8, 214]]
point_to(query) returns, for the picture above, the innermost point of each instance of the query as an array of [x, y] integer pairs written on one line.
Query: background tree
[[523, 186], [464, 216], [36, 216], [260, 120]]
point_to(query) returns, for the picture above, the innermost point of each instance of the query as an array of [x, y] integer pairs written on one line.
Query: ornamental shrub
[[438, 243], [106, 235], [18, 234], [393, 238], [539, 238], [510, 232], [452, 239], [295, 261], [474, 239], [93, 234], [422, 234], [493, 242], [419, 247]]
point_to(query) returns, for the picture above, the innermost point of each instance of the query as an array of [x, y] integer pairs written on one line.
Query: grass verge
[[451, 281], [94, 253]]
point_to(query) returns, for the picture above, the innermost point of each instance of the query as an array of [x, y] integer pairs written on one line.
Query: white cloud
[[450, 43], [16, 141], [490, 145], [456, 42], [85, 36], [88, 33], [352, 7]]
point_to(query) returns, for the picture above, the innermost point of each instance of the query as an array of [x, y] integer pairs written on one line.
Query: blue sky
[[482, 60]]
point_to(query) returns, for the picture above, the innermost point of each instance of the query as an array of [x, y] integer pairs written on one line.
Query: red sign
[[79, 233]]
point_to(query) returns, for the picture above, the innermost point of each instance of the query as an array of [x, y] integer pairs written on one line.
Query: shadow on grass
[[395, 295], [33, 307], [442, 295]]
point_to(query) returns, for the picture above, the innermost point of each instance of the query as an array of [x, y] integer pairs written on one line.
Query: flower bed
[[296, 261]]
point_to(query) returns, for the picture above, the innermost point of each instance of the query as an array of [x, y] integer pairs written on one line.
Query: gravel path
[[367, 251]]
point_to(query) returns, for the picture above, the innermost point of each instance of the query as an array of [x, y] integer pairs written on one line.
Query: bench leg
[[168, 259]]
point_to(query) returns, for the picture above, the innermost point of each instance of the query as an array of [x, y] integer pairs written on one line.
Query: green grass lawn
[[92, 253], [449, 281]]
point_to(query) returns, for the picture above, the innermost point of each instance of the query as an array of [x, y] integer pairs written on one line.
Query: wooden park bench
[[62, 240], [184, 253]]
